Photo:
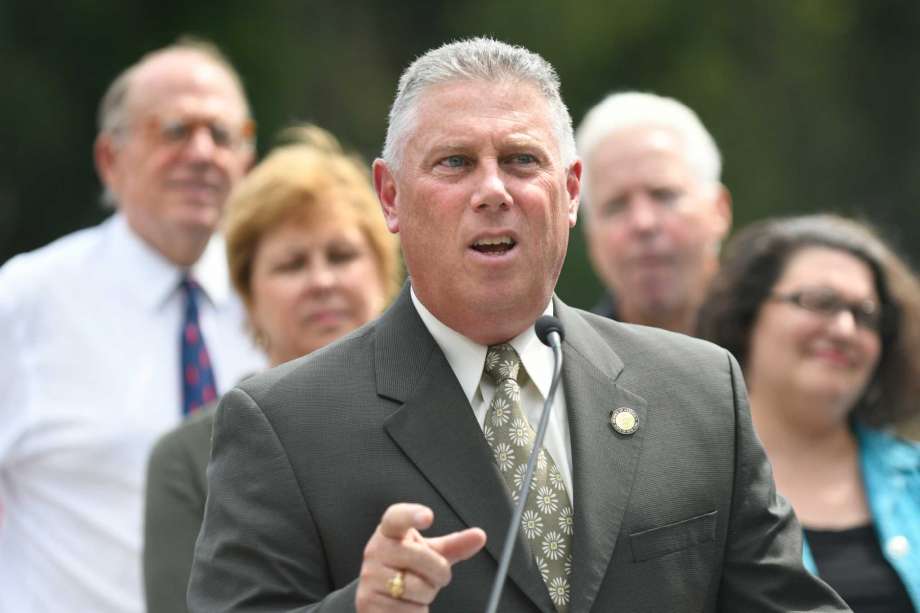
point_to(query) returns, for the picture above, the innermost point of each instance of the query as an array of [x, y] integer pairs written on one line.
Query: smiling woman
[[312, 259], [823, 318]]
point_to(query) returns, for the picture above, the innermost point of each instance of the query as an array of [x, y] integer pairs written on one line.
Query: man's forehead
[[168, 77], [648, 136], [503, 92], [465, 111], [636, 146]]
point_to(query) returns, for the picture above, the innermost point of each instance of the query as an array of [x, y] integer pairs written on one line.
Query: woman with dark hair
[[823, 318]]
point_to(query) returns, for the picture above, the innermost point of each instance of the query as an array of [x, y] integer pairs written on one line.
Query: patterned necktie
[[198, 387], [547, 520]]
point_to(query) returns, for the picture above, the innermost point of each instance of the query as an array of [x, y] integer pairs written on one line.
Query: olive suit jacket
[[681, 515], [173, 510]]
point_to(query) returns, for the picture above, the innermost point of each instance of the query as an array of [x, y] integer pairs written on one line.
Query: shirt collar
[[153, 279], [211, 271], [467, 357]]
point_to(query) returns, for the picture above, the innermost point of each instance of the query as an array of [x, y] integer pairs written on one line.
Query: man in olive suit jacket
[[376, 474]]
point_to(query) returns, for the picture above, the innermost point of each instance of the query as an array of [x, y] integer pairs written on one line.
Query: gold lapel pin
[[624, 420]]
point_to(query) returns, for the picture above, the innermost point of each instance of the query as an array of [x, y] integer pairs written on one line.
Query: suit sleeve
[[259, 548], [172, 517], [763, 571]]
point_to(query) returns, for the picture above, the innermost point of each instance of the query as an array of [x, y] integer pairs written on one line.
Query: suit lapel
[[437, 431], [604, 462]]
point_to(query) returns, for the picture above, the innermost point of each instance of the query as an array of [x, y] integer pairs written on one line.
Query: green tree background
[[811, 101]]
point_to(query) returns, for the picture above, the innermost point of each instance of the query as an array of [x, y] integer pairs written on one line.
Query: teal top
[[891, 474]]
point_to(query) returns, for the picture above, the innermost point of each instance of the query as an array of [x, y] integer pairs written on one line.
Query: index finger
[[399, 518]]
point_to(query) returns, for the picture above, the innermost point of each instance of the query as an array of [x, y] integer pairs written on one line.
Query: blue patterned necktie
[[198, 386]]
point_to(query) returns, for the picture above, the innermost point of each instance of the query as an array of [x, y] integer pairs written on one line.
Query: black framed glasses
[[828, 303]]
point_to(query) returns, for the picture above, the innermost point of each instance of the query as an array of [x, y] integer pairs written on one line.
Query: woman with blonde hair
[[311, 257]]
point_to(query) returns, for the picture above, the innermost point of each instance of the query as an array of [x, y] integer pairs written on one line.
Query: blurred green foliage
[[811, 101]]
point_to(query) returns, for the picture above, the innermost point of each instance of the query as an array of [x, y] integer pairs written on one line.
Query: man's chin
[[196, 216], [652, 305]]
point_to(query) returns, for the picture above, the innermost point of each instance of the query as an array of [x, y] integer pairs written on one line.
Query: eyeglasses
[[828, 303], [174, 132]]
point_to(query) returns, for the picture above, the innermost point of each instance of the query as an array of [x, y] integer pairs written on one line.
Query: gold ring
[[396, 585]]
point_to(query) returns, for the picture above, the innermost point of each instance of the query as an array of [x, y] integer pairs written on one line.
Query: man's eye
[[665, 195], [220, 134], [454, 161], [523, 158], [612, 207], [174, 131]]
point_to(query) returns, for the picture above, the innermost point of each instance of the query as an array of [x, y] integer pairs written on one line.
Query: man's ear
[[105, 152], [573, 189], [250, 160], [722, 211], [385, 186]]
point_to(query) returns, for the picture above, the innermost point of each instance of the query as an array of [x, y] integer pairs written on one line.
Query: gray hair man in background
[[654, 209], [110, 335]]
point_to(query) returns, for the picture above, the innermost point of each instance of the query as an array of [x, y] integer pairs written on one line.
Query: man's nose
[[491, 190], [200, 143], [643, 213]]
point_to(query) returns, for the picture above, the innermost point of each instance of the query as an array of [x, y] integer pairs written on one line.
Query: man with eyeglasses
[[654, 210], [110, 335]]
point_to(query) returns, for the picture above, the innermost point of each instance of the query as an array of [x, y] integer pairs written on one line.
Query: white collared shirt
[[89, 347], [467, 359]]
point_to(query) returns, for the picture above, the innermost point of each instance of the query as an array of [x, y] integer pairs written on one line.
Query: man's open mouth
[[494, 246]]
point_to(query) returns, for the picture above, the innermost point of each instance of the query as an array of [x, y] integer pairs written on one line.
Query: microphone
[[549, 331]]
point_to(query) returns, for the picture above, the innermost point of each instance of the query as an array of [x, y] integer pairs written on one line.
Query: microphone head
[[545, 325]]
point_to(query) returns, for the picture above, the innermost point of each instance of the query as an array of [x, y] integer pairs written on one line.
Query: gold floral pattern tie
[[547, 520]]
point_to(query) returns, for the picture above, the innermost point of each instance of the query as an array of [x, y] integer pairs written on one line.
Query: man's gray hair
[[625, 110], [475, 59]]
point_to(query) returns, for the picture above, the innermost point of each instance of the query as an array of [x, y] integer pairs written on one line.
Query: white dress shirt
[[89, 379], [467, 359]]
